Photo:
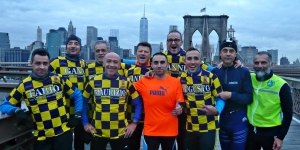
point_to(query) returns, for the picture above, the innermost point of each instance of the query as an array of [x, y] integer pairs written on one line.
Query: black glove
[[74, 121], [22, 118]]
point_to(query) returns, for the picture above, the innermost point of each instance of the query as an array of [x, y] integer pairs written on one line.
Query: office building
[[53, 43], [274, 54], [4, 45], [17, 54], [248, 53], [39, 34], [114, 33], [91, 35], [173, 27], [63, 35], [71, 29], [144, 28], [155, 48]]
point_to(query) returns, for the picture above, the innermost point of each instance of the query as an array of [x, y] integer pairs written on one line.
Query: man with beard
[[109, 92], [162, 96], [43, 93], [271, 112], [237, 91], [135, 73], [72, 67]]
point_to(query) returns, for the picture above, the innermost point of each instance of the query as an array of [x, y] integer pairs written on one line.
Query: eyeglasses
[[173, 40]]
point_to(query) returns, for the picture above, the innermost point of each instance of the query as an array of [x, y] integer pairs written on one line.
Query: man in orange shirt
[[162, 97]]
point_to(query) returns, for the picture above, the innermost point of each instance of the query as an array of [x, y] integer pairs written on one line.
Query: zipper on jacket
[[226, 75], [256, 101]]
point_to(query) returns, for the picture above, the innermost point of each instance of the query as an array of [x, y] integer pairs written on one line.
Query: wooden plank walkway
[[291, 141]]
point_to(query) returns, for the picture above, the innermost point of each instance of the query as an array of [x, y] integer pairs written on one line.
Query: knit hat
[[73, 37], [228, 43]]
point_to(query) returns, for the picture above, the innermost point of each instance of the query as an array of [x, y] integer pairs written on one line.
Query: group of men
[[109, 101]]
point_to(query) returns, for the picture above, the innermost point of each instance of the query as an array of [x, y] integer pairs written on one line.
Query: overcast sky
[[265, 24]]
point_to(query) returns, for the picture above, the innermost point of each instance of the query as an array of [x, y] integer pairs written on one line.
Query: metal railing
[[23, 136], [295, 89]]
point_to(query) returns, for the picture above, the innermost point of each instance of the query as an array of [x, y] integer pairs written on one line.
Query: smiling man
[[271, 112], [201, 89], [237, 91], [44, 94], [135, 73], [72, 67], [96, 68], [161, 95], [109, 92]]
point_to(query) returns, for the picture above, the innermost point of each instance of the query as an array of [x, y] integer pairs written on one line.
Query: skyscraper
[[63, 35], [248, 53], [53, 43], [114, 33], [155, 48], [33, 46], [274, 54], [144, 28], [4, 45], [173, 27], [91, 35], [71, 29], [39, 34], [114, 46]]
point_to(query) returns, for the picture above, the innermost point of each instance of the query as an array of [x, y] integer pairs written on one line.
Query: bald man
[[109, 92]]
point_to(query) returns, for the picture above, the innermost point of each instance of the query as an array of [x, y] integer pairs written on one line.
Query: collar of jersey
[[194, 74], [98, 63], [138, 64], [105, 76], [181, 52], [73, 58]]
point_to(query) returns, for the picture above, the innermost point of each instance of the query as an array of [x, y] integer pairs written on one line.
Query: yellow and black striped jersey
[[74, 71], [46, 103], [96, 68], [200, 90], [135, 74], [109, 96]]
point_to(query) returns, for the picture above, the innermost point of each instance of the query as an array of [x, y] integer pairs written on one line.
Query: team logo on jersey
[[205, 80], [109, 92], [122, 84], [196, 88], [56, 79], [46, 90], [271, 83], [136, 78], [162, 92], [177, 67], [74, 70], [164, 89]]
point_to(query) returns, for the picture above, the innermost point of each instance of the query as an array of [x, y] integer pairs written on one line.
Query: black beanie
[[228, 43], [73, 37]]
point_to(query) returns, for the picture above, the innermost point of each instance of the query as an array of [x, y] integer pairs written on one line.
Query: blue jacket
[[237, 81]]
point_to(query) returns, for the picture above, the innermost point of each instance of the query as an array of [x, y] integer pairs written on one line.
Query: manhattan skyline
[[266, 25]]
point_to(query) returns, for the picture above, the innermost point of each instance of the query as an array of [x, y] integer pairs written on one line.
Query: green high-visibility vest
[[265, 111]]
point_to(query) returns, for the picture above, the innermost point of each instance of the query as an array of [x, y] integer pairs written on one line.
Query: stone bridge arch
[[205, 25]]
